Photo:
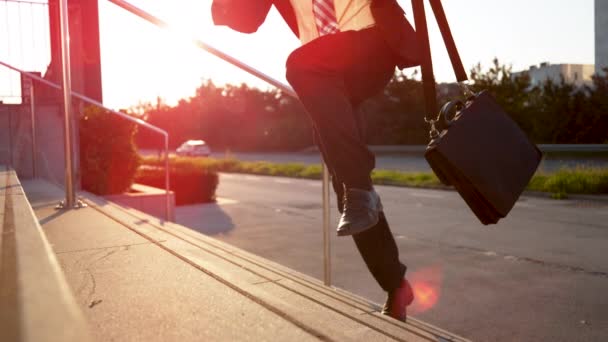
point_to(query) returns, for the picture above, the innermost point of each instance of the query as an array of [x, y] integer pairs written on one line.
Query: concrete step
[[299, 295], [35, 302]]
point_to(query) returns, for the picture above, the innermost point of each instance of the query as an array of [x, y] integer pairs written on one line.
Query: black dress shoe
[[361, 211], [398, 300]]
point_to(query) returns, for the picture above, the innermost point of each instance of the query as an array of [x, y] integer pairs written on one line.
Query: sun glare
[[426, 284], [142, 62]]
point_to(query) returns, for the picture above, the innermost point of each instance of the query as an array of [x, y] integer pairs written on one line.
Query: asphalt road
[[541, 274]]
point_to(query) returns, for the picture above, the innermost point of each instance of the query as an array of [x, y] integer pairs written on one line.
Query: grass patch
[[581, 180], [414, 179]]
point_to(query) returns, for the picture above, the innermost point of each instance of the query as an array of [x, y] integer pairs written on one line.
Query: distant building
[[601, 35], [577, 74]]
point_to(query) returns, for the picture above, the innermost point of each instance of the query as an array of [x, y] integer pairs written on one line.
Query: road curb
[[596, 198]]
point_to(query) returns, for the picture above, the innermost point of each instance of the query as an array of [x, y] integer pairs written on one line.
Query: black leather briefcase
[[484, 155], [482, 152]]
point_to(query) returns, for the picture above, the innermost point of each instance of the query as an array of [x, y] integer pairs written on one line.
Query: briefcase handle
[[449, 111], [449, 108]]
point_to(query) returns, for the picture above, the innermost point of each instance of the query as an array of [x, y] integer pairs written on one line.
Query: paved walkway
[[138, 278]]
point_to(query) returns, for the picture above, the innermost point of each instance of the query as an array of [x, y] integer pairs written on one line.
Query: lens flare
[[426, 296], [426, 284]]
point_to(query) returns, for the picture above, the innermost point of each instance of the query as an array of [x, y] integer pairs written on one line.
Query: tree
[[249, 119]]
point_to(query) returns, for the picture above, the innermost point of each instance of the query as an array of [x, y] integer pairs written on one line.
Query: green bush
[[190, 183], [108, 156]]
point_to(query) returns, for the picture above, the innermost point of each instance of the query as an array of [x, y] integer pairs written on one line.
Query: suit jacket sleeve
[[240, 15]]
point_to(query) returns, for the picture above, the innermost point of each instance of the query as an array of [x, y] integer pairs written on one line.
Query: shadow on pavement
[[206, 218]]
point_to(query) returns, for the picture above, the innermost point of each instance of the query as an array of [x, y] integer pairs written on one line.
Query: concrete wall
[[16, 142], [601, 34], [15, 139], [4, 136], [50, 158], [148, 199]]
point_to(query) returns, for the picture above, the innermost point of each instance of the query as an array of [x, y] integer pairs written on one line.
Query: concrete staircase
[[134, 277]]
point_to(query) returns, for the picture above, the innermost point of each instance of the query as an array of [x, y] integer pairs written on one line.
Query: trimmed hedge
[[232, 165], [190, 184], [108, 156]]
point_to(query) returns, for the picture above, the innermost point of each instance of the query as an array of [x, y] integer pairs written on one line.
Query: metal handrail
[[27, 2], [137, 121], [285, 88]]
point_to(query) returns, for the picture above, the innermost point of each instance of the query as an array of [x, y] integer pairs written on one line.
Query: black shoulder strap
[[426, 63], [448, 40]]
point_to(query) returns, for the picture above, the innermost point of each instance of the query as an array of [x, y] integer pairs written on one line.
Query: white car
[[194, 148]]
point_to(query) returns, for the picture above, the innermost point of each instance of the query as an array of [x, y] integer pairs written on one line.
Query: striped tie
[[325, 16]]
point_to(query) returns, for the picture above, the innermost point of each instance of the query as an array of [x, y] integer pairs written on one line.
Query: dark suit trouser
[[332, 76]]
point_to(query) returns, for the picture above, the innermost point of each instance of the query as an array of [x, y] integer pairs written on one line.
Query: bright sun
[[141, 61]]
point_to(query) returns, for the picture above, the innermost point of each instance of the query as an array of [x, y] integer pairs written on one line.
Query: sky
[[141, 62]]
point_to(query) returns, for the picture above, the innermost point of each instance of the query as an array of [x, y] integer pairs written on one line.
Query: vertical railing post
[[10, 138], [326, 228], [33, 126], [167, 185], [67, 104]]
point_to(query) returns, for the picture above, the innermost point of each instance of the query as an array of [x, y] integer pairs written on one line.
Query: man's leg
[[379, 251], [331, 73], [332, 76], [376, 245]]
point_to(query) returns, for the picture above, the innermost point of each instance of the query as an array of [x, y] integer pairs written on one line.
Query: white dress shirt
[[351, 15]]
